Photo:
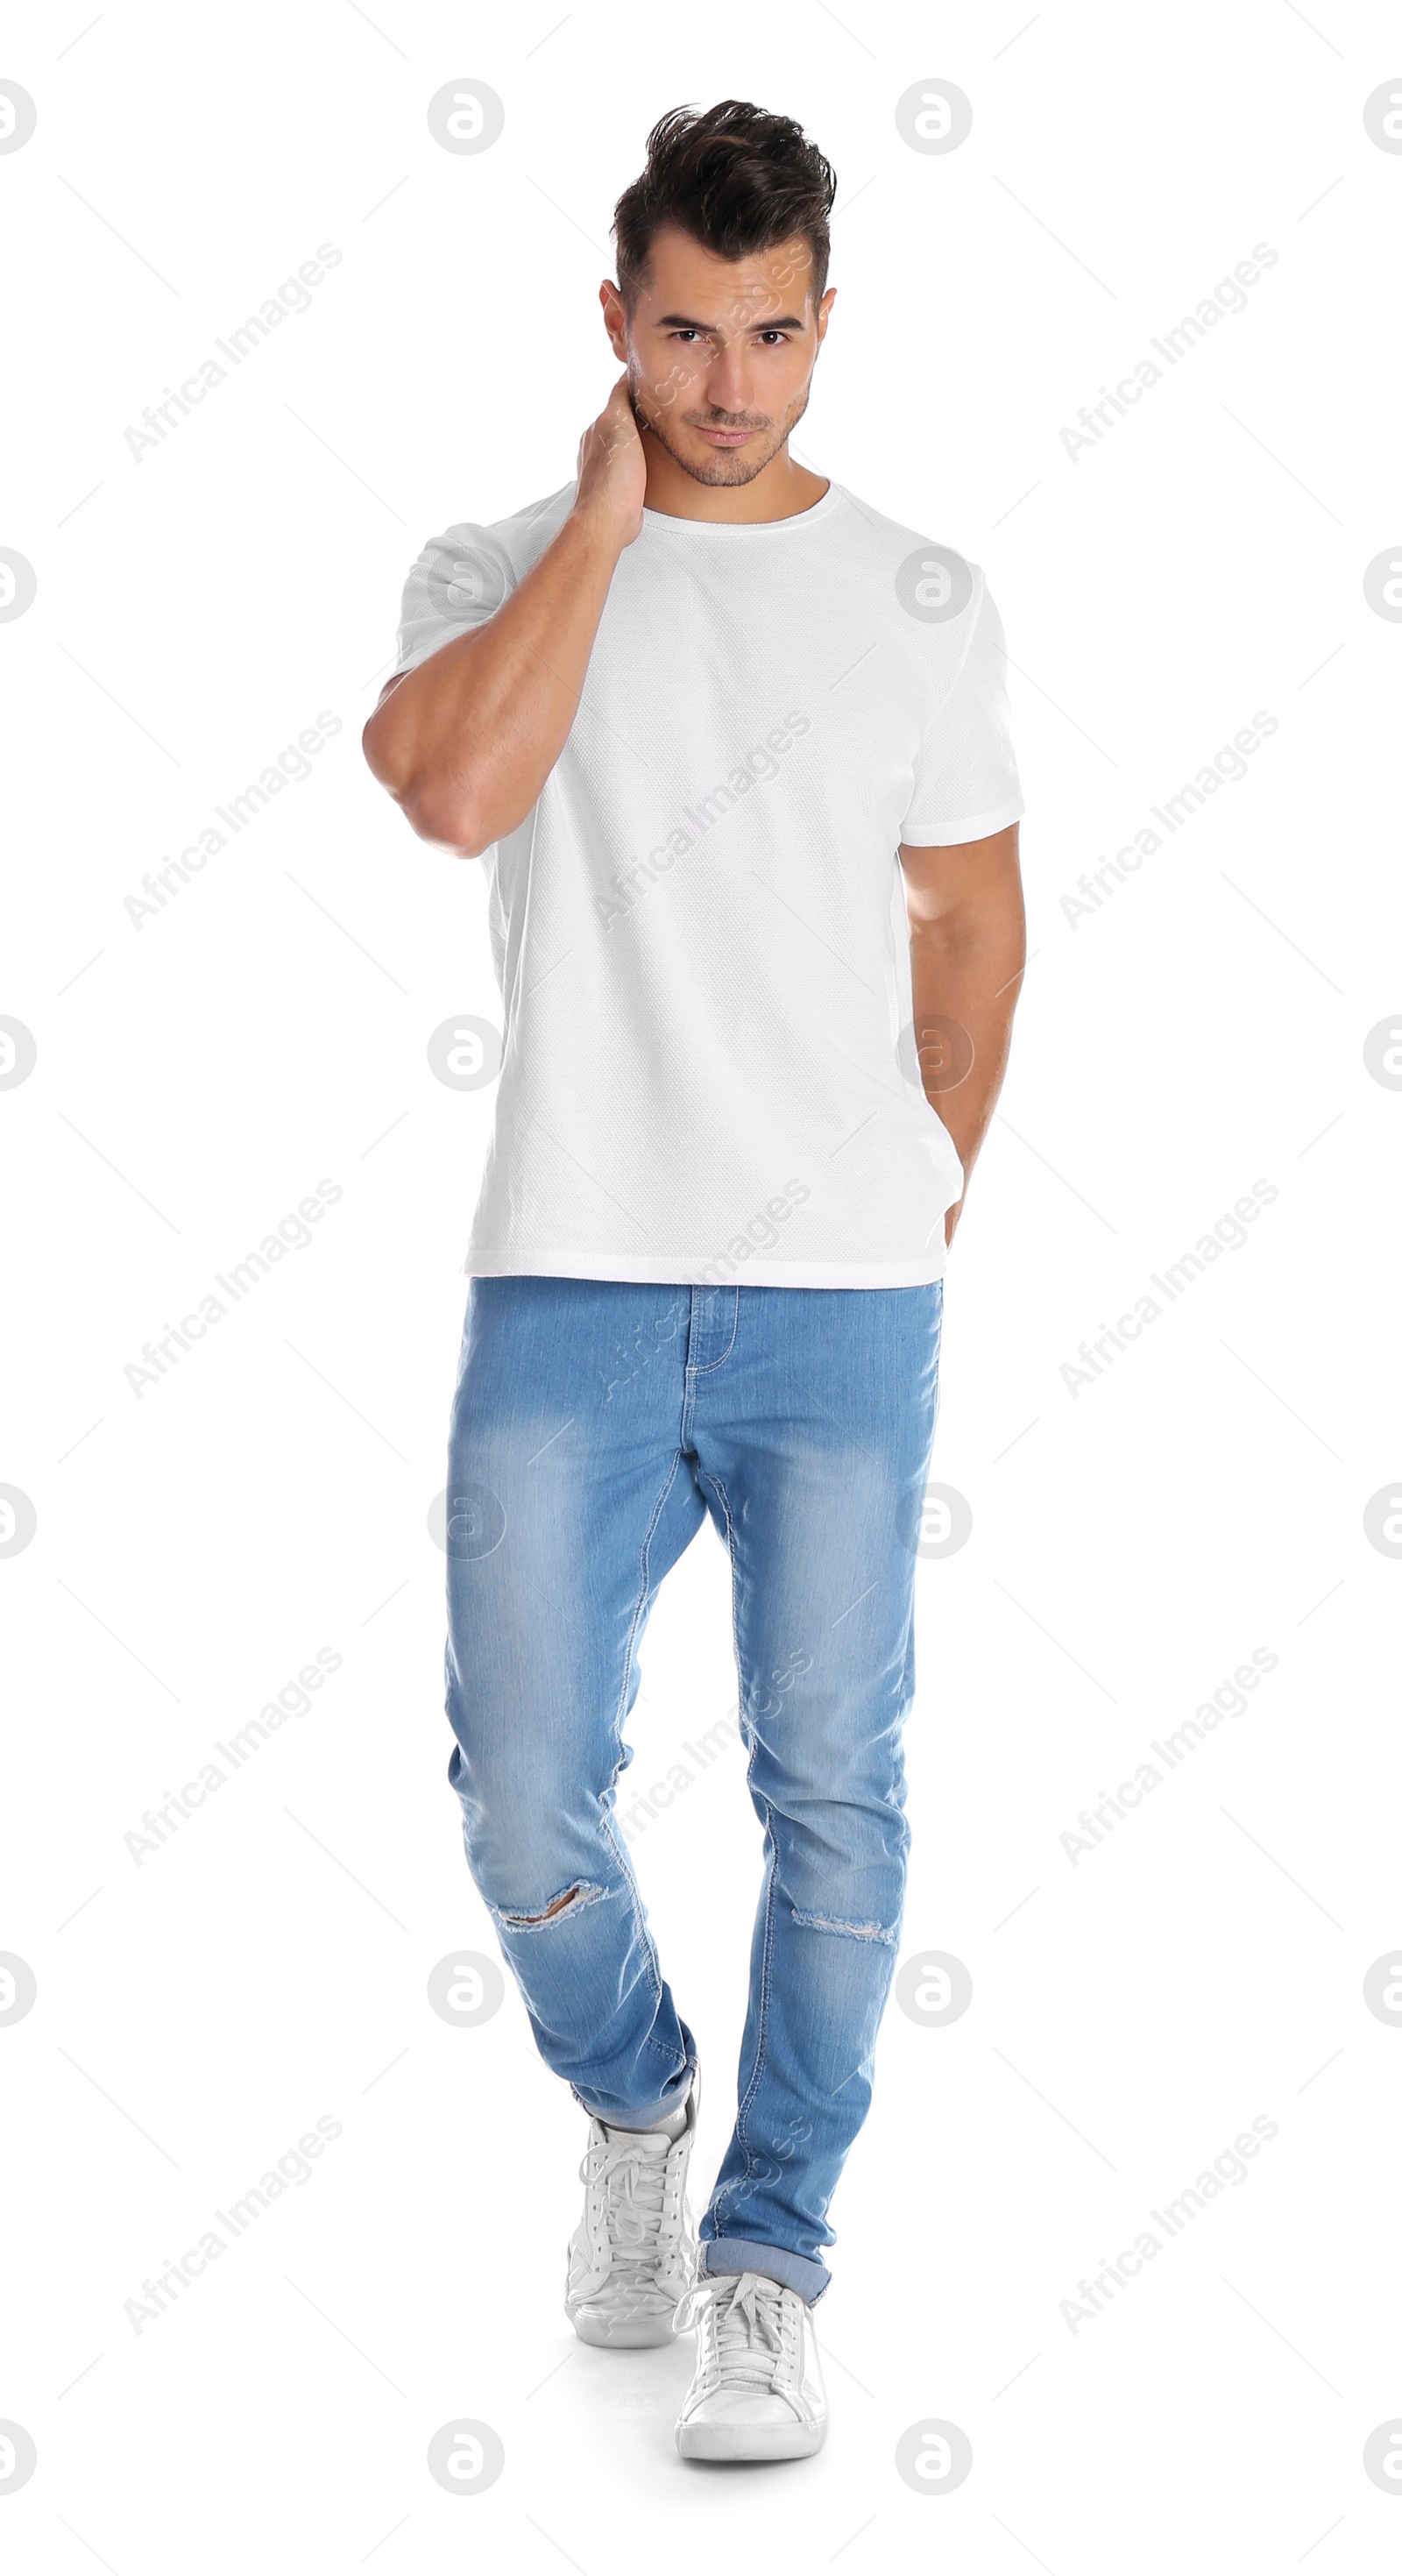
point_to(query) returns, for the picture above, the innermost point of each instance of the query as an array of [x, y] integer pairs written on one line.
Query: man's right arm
[[465, 742]]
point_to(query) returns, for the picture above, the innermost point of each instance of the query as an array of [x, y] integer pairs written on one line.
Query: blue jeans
[[595, 1424]]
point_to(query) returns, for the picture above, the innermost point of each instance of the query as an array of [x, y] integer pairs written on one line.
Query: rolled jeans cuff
[[733, 2254], [651, 2113]]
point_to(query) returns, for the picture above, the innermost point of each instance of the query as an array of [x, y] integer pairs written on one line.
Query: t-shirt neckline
[[747, 527]]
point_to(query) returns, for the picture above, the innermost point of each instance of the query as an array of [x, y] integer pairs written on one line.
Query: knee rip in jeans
[[853, 1931], [582, 1893]]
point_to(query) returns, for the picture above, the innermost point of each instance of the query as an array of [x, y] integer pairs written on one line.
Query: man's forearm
[[965, 992], [466, 742]]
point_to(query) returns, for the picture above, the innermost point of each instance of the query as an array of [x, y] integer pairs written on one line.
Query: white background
[[1132, 1543]]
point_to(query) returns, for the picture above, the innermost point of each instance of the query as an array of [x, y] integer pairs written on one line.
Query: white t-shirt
[[708, 1073]]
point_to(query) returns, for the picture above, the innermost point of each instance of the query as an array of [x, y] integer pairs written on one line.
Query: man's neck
[[781, 491]]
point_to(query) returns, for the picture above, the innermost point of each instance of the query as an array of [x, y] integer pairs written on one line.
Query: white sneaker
[[758, 2391], [632, 2258]]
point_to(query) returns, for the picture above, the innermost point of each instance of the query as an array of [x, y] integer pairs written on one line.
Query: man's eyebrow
[[685, 322]]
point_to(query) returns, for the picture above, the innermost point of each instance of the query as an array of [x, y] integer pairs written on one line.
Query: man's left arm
[[968, 948]]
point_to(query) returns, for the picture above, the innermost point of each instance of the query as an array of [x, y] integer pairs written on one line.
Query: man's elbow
[[446, 820], [436, 814], [445, 825]]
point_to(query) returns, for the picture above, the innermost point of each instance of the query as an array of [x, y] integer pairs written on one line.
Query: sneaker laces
[[635, 2201], [744, 2329]]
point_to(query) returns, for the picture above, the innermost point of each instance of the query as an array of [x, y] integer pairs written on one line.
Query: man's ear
[[615, 320]]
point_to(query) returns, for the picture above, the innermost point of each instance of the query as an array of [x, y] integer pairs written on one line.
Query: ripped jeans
[[595, 1425]]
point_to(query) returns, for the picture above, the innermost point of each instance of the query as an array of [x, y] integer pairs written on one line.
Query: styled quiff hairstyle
[[734, 177]]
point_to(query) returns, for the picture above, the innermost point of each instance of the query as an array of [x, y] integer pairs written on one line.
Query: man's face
[[719, 352]]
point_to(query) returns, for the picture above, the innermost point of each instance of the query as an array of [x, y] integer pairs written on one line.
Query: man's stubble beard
[[724, 465]]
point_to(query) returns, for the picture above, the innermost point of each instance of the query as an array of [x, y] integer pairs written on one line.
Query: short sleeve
[[966, 781], [459, 581]]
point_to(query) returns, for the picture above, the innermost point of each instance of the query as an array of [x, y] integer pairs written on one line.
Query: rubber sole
[[749, 2442], [638, 2335]]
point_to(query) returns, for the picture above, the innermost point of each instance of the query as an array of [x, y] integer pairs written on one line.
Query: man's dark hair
[[734, 177]]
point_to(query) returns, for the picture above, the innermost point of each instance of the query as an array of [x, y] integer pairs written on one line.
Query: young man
[[687, 709]]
